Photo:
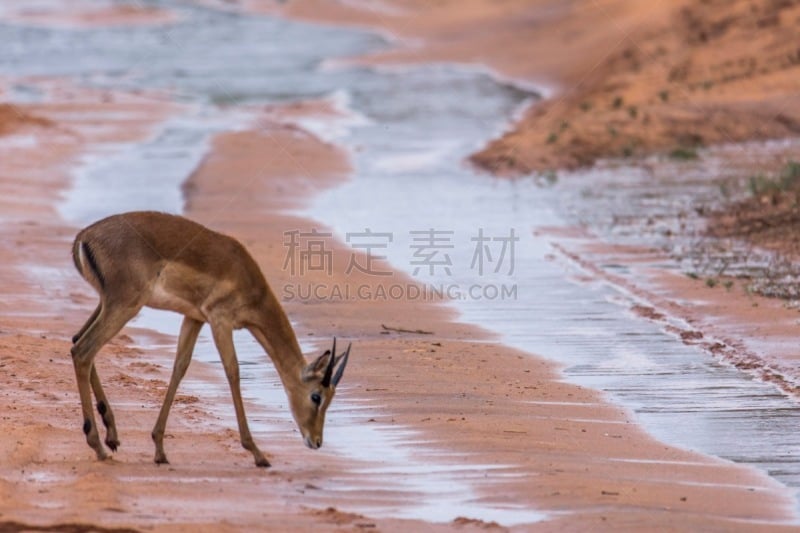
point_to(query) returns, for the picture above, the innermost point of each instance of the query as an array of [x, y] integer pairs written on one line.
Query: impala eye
[[316, 398]]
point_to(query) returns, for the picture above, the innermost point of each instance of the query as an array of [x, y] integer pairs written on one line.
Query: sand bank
[[622, 78]]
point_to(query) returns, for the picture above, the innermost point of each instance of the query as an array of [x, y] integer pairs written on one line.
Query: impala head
[[311, 399]]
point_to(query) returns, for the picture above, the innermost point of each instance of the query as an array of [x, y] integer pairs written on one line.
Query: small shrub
[[790, 173], [760, 184], [787, 179], [550, 177], [683, 154]]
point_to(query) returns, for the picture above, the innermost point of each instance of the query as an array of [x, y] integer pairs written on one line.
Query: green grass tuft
[[787, 179], [683, 154]]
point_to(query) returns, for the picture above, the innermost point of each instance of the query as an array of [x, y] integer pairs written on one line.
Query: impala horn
[[326, 380], [340, 370], [340, 360]]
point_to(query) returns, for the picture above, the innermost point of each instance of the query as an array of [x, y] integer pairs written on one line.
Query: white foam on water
[[19, 141], [333, 128]]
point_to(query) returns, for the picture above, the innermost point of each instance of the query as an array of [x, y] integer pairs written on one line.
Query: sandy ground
[[463, 395], [461, 390]]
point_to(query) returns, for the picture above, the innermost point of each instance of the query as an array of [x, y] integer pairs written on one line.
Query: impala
[[169, 262]]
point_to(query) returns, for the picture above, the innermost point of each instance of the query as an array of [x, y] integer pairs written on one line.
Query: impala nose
[[313, 443]]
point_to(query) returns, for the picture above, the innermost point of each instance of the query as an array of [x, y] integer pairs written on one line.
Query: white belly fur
[[161, 298]]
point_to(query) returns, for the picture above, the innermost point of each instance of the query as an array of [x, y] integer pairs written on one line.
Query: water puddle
[[410, 131], [151, 173], [679, 393]]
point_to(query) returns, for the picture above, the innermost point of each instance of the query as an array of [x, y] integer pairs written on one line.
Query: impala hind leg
[[223, 338], [109, 321], [88, 324], [190, 329], [104, 409]]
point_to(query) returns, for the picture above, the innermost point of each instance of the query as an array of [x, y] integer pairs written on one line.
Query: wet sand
[[48, 478], [576, 457], [571, 450], [754, 333], [100, 14]]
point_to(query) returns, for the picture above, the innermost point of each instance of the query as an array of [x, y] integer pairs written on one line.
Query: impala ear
[[318, 368]]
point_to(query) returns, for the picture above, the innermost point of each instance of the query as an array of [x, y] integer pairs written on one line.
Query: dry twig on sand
[[403, 330]]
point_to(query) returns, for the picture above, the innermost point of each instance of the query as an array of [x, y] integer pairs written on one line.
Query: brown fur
[[169, 262]]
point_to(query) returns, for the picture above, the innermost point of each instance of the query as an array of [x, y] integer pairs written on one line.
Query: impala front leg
[[223, 338], [190, 329]]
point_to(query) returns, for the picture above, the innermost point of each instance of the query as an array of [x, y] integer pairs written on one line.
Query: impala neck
[[275, 334]]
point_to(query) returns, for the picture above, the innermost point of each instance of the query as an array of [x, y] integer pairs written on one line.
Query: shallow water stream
[[456, 231]]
